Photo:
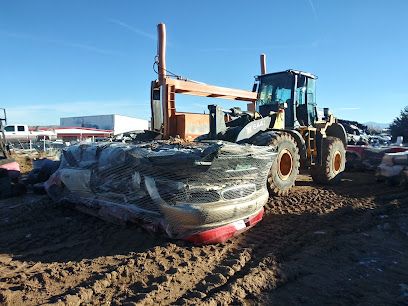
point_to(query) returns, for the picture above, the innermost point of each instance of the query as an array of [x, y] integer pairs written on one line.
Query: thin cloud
[[132, 29], [59, 42], [38, 114], [313, 8], [74, 106], [347, 108], [313, 44], [227, 49], [200, 105]]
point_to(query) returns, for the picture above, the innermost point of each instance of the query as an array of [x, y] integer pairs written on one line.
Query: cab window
[[311, 91], [20, 128], [301, 90], [9, 128], [275, 89], [305, 101]]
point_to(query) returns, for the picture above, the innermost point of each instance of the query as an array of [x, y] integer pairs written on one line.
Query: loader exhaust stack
[[167, 110], [161, 51], [263, 63]]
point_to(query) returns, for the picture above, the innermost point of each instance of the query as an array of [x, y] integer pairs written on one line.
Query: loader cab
[[295, 88]]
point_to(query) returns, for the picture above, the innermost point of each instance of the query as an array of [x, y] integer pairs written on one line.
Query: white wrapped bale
[[401, 158], [387, 159], [389, 171]]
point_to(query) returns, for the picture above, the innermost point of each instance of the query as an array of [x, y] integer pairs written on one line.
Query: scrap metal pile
[[203, 192], [356, 132]]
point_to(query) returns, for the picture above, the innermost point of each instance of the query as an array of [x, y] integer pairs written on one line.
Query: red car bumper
[[223, 233]]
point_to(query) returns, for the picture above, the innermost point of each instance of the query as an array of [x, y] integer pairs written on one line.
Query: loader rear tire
[[285, 168], [333, 162]]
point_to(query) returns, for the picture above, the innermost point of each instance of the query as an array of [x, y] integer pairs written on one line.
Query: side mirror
[[255, 87]]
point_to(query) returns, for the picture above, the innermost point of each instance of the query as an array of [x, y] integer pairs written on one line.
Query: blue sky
[[67, 58]]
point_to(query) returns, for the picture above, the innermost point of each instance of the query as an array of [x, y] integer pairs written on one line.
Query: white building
[[116, 123]]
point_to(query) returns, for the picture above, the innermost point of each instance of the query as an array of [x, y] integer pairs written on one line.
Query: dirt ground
[[343, 245]]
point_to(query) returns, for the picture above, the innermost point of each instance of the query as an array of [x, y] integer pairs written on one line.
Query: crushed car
[[203, 192]]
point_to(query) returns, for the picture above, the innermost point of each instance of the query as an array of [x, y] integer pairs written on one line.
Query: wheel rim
[[285, 161], [337, 162]]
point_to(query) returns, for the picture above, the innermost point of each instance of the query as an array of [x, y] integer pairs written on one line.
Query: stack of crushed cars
[[394, 169], [204, 192]]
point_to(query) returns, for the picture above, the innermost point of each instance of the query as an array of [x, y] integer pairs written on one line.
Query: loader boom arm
[[170, 87]]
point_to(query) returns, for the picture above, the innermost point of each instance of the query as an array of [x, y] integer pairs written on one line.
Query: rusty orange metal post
[[161, 51], [167, 92]]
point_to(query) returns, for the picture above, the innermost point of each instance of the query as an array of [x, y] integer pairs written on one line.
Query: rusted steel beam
[[161, 52], [205, 90]]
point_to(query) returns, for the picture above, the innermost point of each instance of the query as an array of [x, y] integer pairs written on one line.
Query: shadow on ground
[[345, 244], [33, 228]]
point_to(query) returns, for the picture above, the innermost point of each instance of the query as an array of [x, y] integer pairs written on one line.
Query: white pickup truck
[[21, 133]]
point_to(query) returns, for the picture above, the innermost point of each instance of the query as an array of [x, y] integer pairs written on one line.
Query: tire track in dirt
[[159, 275], [72, 258], [54, 241], [276, 238]]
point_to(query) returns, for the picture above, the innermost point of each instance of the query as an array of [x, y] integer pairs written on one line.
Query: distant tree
[[400, 125]]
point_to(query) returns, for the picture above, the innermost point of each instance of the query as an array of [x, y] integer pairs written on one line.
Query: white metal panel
[[118, 123], [123, 124], [102, 122]]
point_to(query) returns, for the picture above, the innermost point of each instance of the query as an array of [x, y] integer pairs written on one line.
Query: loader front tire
[[333, 162], [285, 167]]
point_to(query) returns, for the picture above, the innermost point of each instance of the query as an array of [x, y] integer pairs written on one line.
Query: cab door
[[306, 100], [311, 100]]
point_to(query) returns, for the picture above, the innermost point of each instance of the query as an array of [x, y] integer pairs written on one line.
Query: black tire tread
[[321, 174], [273, 139]]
